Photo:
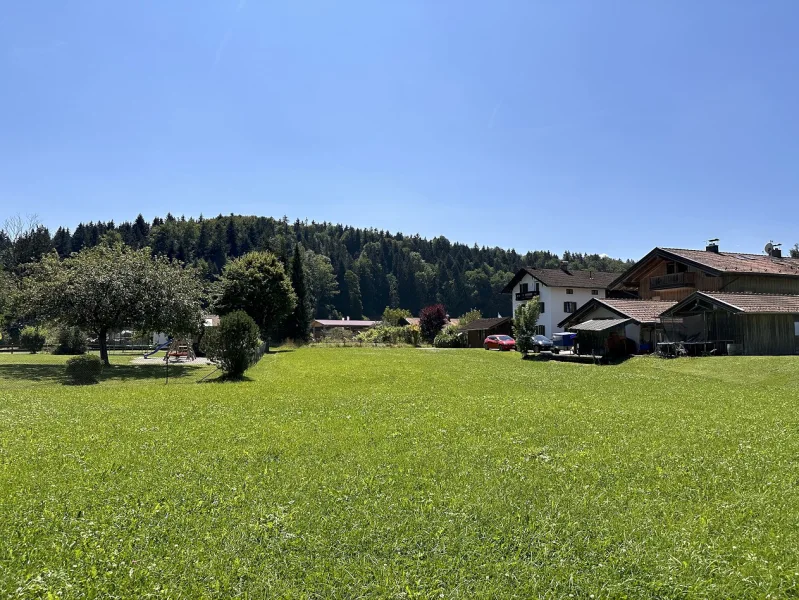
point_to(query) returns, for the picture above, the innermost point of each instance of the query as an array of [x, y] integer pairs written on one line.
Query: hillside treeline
[[368, 269]]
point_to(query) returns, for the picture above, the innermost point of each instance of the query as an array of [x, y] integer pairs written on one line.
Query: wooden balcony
[[528, 295], [673, 281]]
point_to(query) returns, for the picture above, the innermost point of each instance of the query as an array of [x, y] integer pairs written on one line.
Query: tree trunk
[[103, 338]]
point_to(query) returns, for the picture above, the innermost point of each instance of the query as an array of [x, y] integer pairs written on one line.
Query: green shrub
[[32, 339], [69, 340], [392, 316], [234, 344], [449, 337], [84, 369], [383, 334]]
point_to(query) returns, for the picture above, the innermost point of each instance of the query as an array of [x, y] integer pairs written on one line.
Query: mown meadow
[[403, 473]]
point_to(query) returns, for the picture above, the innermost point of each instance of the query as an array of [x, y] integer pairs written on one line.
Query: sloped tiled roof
[[739, 262], [481, 324], [758, 303], [560, 278], [643, 311]]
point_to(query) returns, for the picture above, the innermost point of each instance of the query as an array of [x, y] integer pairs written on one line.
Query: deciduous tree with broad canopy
[[524, 324], [257, 284], [109, 287]]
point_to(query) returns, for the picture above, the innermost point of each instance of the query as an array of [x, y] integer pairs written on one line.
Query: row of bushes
[[62, 340], [391, 335]]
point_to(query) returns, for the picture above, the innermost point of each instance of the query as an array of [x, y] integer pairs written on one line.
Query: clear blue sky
[[584, 125]]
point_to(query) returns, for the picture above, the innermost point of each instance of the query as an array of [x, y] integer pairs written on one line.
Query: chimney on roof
[[773, 250], [712, 246], [564, 266]]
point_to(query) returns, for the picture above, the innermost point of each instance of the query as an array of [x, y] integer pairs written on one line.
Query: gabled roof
[[762, 304], [600, 324], [640, 311], [563, 278], [715, 263], [343, 323], [484, 324]]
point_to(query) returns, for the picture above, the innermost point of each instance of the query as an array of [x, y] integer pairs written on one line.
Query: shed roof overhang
[[599, 325]]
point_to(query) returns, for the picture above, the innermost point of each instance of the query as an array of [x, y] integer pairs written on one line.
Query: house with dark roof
[[636, 321], [560, 292], [724, 301]]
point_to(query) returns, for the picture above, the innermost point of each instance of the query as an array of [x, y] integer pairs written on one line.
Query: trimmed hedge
[[84, 369]]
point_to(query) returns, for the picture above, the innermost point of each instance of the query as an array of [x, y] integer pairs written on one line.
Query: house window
[[540, 330], [595, 292], [569, 291], [537, 287], [569, 307], [524, 288], [541, 305]]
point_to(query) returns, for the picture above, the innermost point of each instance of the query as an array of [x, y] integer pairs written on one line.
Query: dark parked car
[[542, 342], [499, 342]]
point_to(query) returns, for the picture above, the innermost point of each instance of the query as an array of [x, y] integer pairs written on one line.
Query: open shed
[[735, 323], [604, 337]]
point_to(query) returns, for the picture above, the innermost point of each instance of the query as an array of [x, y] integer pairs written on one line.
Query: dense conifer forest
[[351, 272]]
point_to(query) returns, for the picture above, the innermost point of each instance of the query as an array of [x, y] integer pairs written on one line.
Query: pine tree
[[299, 324], [62, 242]]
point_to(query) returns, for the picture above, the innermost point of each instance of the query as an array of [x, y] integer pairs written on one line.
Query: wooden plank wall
[[760, 284], [768, 334]]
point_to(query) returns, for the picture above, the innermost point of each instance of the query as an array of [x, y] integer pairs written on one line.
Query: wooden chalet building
[[723, 301]]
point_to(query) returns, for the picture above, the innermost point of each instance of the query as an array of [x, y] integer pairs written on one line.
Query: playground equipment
[[180, 348], [159, 348]]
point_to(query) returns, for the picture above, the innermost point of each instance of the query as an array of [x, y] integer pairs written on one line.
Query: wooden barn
[[735, 323]]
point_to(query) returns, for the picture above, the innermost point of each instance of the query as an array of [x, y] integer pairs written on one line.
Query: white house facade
[[560, 292]]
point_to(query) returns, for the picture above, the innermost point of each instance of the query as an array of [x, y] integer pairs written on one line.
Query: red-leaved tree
[[432, 320]]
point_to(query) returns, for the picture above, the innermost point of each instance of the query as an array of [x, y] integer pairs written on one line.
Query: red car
[[499, 342]]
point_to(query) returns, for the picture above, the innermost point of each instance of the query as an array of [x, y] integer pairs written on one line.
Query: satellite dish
[[769, 247]]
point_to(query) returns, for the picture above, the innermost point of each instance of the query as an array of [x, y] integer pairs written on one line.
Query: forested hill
[[373, 269]]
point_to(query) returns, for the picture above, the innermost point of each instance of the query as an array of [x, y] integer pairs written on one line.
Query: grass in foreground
[[404, 473]]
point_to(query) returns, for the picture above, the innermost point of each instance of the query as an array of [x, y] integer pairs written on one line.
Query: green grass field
[[403, 473]]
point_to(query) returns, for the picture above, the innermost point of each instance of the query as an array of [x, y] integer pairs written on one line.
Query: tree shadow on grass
[[22, 374]]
